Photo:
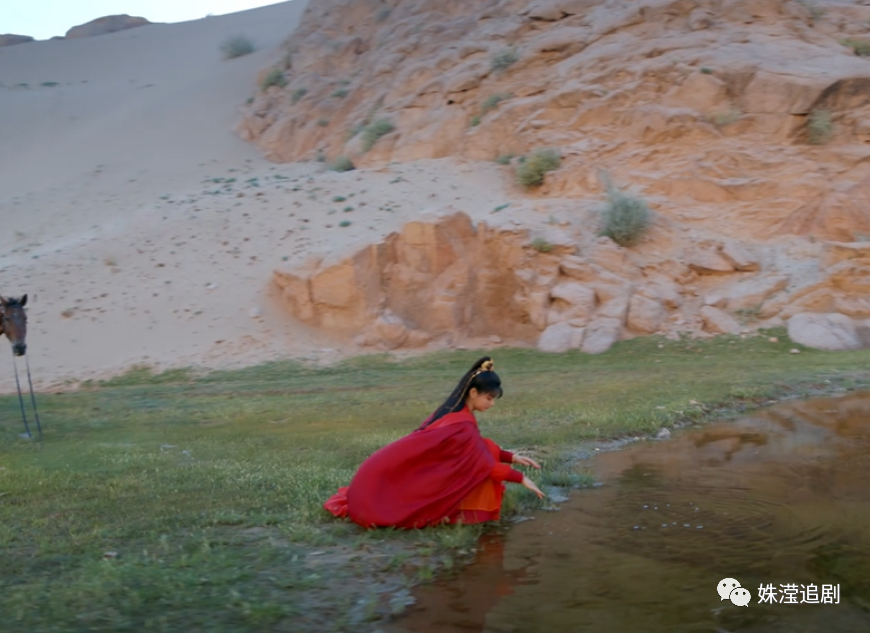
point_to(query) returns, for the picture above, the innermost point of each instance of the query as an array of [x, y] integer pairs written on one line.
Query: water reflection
[[773, 499]]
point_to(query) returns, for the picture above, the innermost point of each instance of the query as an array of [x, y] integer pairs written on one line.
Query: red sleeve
[[506, 457], [503, 472]]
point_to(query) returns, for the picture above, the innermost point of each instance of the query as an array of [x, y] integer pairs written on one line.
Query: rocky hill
[[743, 124]]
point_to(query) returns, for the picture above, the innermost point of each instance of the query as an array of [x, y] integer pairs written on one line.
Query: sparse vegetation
[[541, 245], [298, 94], [475, 120], [236, 47], [504, 59], [820, 128], [706, 71], [275, 77], [504, 159], [322, 122], [339, 199], [492, 101], [341, 93], [720, 119], [816, 12], [374, 131], [50, 84], [383, 14], [531, 170], [749, 314], [626, 217], [860, 47], [344, 223], [342, 163]]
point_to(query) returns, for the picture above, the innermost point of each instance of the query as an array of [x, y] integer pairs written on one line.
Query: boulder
[[107, 24], [645, 315], [560, 337], [708, 260], [600, 335], [828, 331], [718, 321]]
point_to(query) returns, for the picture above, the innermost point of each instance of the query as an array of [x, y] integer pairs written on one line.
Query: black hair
[[475, 378]]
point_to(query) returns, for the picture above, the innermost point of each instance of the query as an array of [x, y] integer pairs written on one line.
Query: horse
[[13, 323]]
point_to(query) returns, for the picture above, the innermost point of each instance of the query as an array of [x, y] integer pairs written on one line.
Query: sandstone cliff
[[743, 122]]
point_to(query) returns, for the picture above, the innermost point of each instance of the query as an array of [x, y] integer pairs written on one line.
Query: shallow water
[[778, 498]]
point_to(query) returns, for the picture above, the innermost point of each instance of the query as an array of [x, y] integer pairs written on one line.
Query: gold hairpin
[[486, 366]]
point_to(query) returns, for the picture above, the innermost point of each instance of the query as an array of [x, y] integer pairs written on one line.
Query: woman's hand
[[528, 483], [525, 461]]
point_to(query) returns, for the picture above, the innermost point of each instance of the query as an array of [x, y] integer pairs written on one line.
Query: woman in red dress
[[444, 472]]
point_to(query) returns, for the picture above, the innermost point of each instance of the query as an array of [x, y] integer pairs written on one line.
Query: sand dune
[[145, 231]]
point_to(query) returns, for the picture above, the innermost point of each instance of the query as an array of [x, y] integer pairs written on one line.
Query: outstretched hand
[[526, 461], [528, 483]]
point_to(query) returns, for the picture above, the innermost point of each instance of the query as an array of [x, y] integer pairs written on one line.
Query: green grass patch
[[504, 59], [207, 488]]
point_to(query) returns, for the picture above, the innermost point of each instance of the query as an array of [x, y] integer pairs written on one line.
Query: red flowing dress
[[442, 473]]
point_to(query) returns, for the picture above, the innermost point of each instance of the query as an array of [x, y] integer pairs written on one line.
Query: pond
[[778, 502]]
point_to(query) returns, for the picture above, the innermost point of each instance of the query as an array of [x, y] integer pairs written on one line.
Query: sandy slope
[[144, 231]]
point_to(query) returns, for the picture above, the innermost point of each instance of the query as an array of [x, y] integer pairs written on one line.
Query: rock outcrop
[[107, 24], [745, 118], [11, 40]]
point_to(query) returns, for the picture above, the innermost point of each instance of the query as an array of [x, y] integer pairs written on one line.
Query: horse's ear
[[23, 301]]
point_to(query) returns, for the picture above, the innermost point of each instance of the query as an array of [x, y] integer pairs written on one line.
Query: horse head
[[13, 323]]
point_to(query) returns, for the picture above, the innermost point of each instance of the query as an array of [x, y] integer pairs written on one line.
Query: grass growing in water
[[209, 488]]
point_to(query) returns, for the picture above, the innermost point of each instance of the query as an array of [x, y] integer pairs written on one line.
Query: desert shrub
[[819, 127], [541, 245], [322, 122], [342, 163], [504, 159], [383, 14], [298, 94], [375, 130], [274, 78], [504, 59], [626, 217], [725, 118], [860, 47], [492, 102], [341, 93], [532, 168], [236, 47], [706, 71], [475, 120]]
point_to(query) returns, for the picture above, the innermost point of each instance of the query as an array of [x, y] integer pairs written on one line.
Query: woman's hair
[[480, 377]]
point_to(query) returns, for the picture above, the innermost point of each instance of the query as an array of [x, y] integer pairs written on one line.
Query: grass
[[237, 46], [625, 217], [342, 163], [341, 93], [504, 159], [208, 488], [275, 77], [492, 102], [531, 170], [860, 47], [298, 94], [374, 131], [504, 59], [475, 120], [541, 245], [820, 127]]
